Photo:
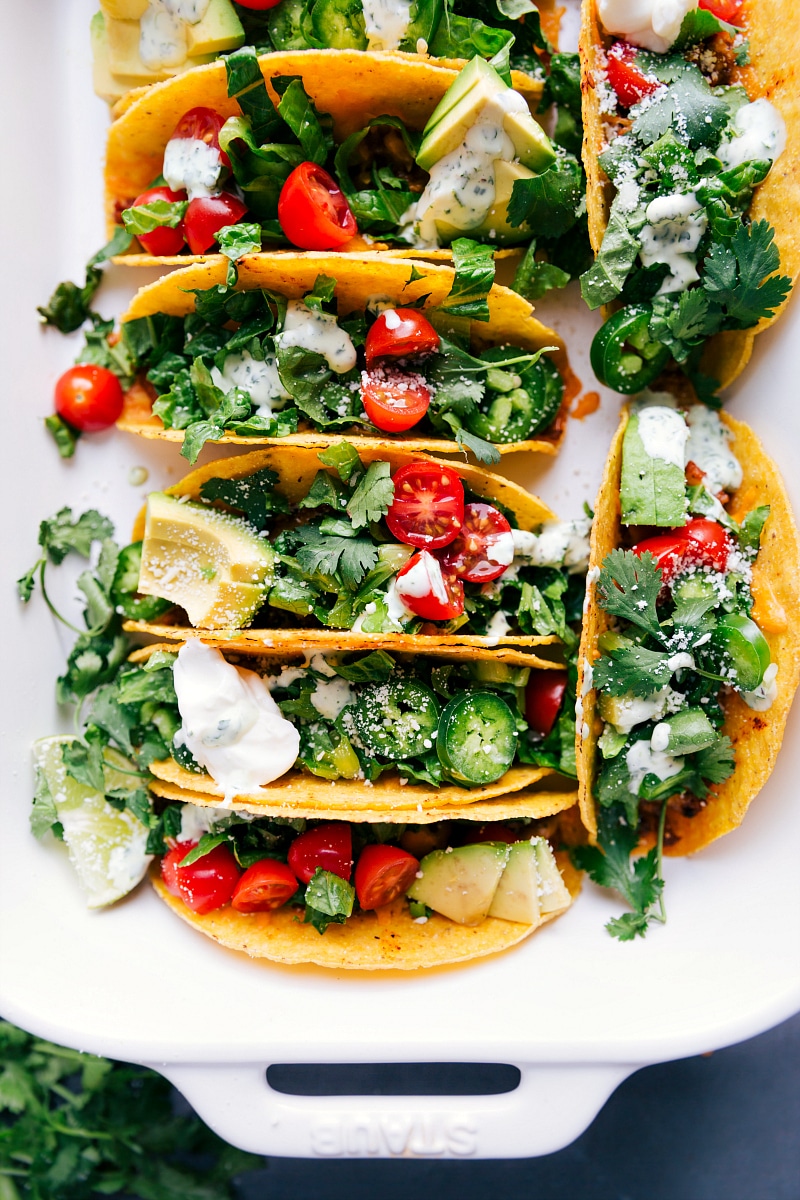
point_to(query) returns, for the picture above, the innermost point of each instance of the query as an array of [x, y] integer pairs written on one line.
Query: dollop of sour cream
[[709, 449], [311, 329], [653, 24], [162, 37], [676, 223], [193, 165], [260, 379], [664, 434], [386, 22], [231, 724], [557, 544], [759, 132]]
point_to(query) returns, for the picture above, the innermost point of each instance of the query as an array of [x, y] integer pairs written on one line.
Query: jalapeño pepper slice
[[745, 650], [517, 410], [397, 718], [477, 738], [126, 585], [623, 355]]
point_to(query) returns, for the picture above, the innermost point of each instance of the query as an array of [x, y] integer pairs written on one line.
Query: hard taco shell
[[756, 736]]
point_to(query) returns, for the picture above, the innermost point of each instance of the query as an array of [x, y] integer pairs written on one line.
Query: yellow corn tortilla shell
[[296, 469], [773, 34], [292, 273], [756, 736], [368, 941]]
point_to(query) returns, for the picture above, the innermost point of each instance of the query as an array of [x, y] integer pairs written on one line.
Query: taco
[[136, 43], [420, 896], [372, 550], [306, 347], [691, 154], [690, 651], [333, 150]]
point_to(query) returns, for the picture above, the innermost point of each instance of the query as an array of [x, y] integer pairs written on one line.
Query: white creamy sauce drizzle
[[500, 550], [162, 37], [764, 696], [190, 11], [633, 710], [653, 24], [423, 579], [395, 608], [708, 448], [557, 544], [386, 22], [643, 760], [231, 724], [330, 698], [259, 379], [318, 331], [461, 188], [192, 164], [759, 132], [676, 223], [498, 626], [196, 820], [663, 434]]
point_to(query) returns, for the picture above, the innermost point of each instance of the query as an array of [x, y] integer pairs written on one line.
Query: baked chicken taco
[[690, 651], [691, 131], [348, 550], [303, 348]]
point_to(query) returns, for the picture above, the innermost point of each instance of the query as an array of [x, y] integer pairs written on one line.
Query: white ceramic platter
[[574, 1009]]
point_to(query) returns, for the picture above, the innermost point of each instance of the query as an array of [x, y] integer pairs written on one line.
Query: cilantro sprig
[[638, 880]]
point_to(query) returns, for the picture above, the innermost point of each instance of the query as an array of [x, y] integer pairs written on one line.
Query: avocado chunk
[[220, 29], [495, 223], [124, 10], [476, 73], [553, 894], [108, 86], [211, 564], [652, 487], [517, 895], [461, 883]]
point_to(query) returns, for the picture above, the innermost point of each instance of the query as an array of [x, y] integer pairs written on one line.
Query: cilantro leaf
[[741, 279], [484, 451], [329, 899], [688, 107], [62, 533], [683, 322], [70, 305], [84, 759], [628, 668], [609, 864], [373, 494], [347, 558], [628, 587]]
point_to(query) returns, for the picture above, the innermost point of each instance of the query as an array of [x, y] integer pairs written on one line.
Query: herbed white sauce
[[764, 696], [643, 760], [663, 434], [557, 544], [708, 447], [197, 819], [231, 724], [192, 164], [190, 11], [386, 22], [310, 329], [676, 223], [162, 38], [259, 379], [634, 710], [498, 626], [653, 24], [423, 579], [759, 132]]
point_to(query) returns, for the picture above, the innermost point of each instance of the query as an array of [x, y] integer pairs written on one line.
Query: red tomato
[[266, 885], [329, 846], [543, 697], [428, 505], [169, 866], [427, 590], [400, 333], [723, 10], [257, 4], [206, 215], [89, 397], [625, 77], [313, 211], [206, 884], [203, 124], [483, 549], [700, 541], [382, 874], [164, 240], [394, 400]]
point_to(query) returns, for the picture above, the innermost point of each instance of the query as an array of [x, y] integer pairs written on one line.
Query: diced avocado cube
[[477, 73], [109, 87], [495, 223], [461, 883], [653, 484], [124, 10], [123, 53], [553, 894], [211, 564], [220, 29], [686, 732], [517, 895]]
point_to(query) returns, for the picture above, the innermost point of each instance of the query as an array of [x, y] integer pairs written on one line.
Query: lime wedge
[[106, 847]]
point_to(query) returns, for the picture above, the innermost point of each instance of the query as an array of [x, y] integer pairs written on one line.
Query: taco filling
[[684, 150], [680, 665]]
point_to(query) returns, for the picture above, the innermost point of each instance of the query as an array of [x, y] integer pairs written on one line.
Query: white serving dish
[[575, 1010]]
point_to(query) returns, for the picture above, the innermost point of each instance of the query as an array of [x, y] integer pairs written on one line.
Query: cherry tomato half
[[701, 541], [428, 505], [257, 4], [382, 874], [203, 124], [206, 215], [266, 885], [170, 863], [400, 333], [427, 590], [723, 10], [206, 884], [394, 400], [543, 698], [89, 397], [329, 846], [483, 549], [313, 211], [629, 83], [164, 240]]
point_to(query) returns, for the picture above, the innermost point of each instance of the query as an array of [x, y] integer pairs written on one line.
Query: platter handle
[[552, 1105]]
